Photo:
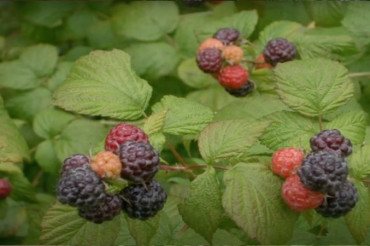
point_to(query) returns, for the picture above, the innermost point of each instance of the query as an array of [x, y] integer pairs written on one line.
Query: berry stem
[[37, 178], [320, 122], [321, 231], [183, 230], [356, 75], [177, 155], [180, 169]]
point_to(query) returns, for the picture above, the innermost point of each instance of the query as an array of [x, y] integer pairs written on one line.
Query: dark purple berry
[[243, 91], [331, 140], [210, 60], [279, 50], [76, 160], [227, 35]]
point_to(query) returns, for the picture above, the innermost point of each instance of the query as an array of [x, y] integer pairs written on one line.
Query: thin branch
[[183, 230], [320, 123], [37, 178], [181, 168], [321, 231], [357, 75], [177, 155]]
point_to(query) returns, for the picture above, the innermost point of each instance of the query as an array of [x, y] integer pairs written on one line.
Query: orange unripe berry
[[106, 165], [261, 63], [233, 54], [211, 43]]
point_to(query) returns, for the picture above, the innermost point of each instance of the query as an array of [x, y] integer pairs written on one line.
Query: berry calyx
[[279, 50], [140, 161], [285, 162], [233, 77], [210, 43], [298, 197], [5, 188], [142, 202], [227, 35], [261, 63], [242, 91], [106, 165], [331, 140], [76, 160], [323, 171], [124, 132], [233, 54], [210, 60]]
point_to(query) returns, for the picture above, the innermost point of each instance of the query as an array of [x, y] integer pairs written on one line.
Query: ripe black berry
[[340, 202], [105, 211], [210, 60], [242, 91], [193, 3], [331, 140], [81, 187], [76, 160], [323, 171], [5, 188], [142, 203], [227, 35], [279, 50], [140, 161]]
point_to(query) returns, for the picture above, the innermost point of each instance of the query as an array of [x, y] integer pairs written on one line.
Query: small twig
[[321, 231], [145, 115], [181, 168], [362, 74], [37, 178], [183, 230], [177, 155], [320, 123]]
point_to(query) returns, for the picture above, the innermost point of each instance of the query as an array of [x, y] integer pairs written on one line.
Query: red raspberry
[[124, 132], [285, 162], [106, 165], [233, 77], [5, 188], [298, 197]]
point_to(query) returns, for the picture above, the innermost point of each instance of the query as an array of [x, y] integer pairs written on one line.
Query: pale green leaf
[[157, 140], [103, 83], [146, 21], [358, 219], [60, 75], [184, 117], [314, 86], [352, 125], [46, 157], [41, 59], [202, 210], [360, 162], [16, 75], [289, 129], [327, 13], [191, 75], [356, 20], [143, 231], [51, 122], [280, 29], [62, 225], [264, 79], [226, 139], [253, 200], [155, 122]]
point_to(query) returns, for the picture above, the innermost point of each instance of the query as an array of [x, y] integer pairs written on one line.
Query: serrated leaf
[[41, 59], [51, 122], [191, 75], [352, 125], [280, 29], [27, 104], [251, 108], [155, 122], [16, 75], [264, 79], [253, 200], [124, 237], [359, 162], [46, 157], [80, 136], [356, 20], [226, 139], [358, 219], [62, 225], [157, 140], [103, 83], [314, 86], [202, 210], [143, 231], [153, 60], [289, 129], [184, 117], [146, 21]]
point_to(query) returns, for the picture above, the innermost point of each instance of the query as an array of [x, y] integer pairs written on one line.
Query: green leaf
[[124, 237], [311, 90], [78, 24], [280, 29], [80, 136], [243, 21], [60, 75], [17, 75], [155, 122], [100, 35], [145, 21], [62, 225], [358, 219], [328, 13], [25, 105], [157, 140], [214, 97], [202, 210], [289, 129], [109, 85], [356, 20], [359, 162], [253, 200], [143, 231], [184, 117], [46, 157], [41, 58], [351, 124], [264, 79], [251, 108], [226, 139], [51, 122], [191, 75], [3, 208], [153, 60]]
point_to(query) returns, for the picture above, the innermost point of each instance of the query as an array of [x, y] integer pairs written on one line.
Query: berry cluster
[[318, 180], [221, 56], [127, 155]]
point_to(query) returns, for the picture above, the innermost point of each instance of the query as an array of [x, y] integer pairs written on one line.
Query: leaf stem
[[177, 155], [320, 122], [321, 231], [362, 74], [182, 168], [37, 178], [183, 230]]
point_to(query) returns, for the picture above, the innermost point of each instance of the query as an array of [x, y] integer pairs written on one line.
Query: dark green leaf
[[46, 157], [356, 20], [17, 75], [60, 75], [143, 231]]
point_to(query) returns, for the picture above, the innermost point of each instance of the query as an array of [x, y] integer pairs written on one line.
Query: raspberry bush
[[184, 122]]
